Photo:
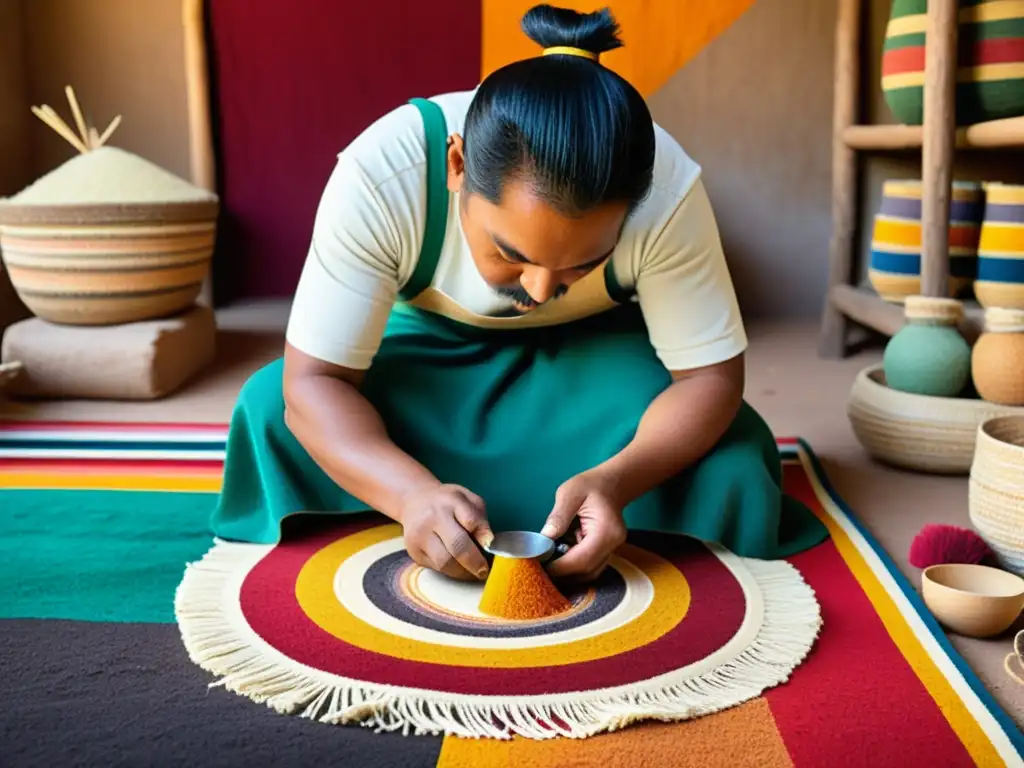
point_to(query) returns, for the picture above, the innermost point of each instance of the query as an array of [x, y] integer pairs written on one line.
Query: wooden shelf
[[937, 140], [862, 305], [997, 134]]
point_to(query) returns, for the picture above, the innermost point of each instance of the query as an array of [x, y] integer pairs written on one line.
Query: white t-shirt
[[369, 229]]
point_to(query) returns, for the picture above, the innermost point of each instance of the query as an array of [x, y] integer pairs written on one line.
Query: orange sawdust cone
[[520, 588]]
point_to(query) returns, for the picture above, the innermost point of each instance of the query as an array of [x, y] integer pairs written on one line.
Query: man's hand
[[588, 498], [442, 526]]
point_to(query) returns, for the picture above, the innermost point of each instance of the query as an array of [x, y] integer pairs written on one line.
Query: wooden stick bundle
[[88, 138]]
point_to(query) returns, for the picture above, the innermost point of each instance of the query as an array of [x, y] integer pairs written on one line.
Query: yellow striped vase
[[106, 265], [1000, 280], [895, 266]]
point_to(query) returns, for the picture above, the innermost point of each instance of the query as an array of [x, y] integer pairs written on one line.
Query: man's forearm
[[346, 437], [679, 426]]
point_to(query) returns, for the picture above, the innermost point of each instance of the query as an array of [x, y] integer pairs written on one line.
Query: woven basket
[[926, 434], [996, 496], [108, 238]]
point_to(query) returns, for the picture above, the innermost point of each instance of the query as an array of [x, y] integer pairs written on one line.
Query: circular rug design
[[341, 626]]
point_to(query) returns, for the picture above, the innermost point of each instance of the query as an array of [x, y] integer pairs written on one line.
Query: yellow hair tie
[[566, 50]]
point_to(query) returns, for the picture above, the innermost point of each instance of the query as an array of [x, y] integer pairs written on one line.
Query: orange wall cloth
[[660, 36]]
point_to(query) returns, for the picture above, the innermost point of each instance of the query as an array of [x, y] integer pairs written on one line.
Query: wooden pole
[[200, 127], [845, 100], [939, 144]]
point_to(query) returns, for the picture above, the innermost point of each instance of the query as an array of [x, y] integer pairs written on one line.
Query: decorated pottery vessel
[[990, 71], [1000, 281], [895, 267], [997, 360]]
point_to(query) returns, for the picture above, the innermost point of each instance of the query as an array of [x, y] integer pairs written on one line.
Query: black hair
[[579, 133]]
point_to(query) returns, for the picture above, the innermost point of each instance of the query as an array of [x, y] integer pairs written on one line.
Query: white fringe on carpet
[[219, 640]]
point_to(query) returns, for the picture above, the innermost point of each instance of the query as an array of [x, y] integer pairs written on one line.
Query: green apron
[[511, 414]]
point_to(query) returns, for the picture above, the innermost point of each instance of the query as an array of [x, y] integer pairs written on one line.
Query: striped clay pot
[[895, 266], [990, 76], [1000, 281], [935, 435], [996, 490], [78, 255]]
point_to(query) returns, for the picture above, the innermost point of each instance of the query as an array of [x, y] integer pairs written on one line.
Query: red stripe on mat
[[133, 466], [855, 696], [110, 426]]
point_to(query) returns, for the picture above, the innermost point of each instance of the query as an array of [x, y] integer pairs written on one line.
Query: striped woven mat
[[99, 521]]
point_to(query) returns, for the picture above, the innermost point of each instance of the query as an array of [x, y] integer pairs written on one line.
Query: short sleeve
[[685, 290], [350, 278]]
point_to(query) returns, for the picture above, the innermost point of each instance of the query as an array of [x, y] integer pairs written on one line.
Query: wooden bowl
[[918, 432], [996, 490], [973, 600]]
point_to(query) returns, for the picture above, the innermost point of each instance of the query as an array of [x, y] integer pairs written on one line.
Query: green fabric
[[616, 291], [98, 555], [436, 134], [512, 415]]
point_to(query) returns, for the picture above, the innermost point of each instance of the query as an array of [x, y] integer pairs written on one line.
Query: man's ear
[[456, 163]]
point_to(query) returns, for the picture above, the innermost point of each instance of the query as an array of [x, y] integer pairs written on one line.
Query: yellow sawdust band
[[314, 591], [109, 481]]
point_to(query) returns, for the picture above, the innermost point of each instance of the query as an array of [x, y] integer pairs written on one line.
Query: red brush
[[940, 544]]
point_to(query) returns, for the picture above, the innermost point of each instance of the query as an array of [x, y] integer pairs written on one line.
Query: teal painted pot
[[928, 356]]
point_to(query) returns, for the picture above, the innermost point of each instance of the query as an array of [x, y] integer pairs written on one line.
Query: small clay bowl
[[973, 600]]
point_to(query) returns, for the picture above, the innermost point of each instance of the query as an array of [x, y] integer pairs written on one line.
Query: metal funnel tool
[[525, 545]]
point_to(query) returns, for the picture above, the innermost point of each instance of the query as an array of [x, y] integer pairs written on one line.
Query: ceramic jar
[[990, 83], [997, 360], [928, 356], [1000, 281], [895, 266], [996, 489]]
